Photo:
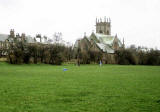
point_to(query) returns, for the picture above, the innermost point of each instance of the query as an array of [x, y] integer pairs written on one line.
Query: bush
[[153, 57], [19, 53], [126, 57], [130, 56]]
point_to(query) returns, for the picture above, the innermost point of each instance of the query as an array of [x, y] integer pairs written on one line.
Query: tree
[[57, 37]]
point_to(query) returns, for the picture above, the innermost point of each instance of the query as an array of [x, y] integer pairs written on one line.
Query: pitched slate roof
[[106, 39], [105, 48], [105, 42], [3, 37]]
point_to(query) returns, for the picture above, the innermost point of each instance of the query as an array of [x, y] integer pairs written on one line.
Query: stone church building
[[101, 41]]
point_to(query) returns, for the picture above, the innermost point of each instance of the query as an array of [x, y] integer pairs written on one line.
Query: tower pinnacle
[[103, 27]]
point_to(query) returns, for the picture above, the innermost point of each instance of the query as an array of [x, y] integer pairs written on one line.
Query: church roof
[[103, 42], [105, 48], [105, 39], [85, 38]]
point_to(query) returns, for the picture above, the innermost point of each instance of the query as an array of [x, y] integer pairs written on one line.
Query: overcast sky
[[137, 21]]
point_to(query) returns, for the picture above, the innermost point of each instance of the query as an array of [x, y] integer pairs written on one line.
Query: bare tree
[[57, 37]]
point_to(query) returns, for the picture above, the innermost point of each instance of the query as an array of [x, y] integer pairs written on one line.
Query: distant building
[[12, 38], [5, 40], [102, 40]]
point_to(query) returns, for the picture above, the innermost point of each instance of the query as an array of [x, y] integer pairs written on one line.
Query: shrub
[[126, 57]]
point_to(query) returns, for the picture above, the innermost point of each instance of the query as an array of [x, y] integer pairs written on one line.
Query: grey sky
[[138, 21]]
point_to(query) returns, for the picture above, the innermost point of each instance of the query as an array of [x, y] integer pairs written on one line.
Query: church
[[101, 41]]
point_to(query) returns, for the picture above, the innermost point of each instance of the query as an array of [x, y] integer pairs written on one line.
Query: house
[[3, 40]]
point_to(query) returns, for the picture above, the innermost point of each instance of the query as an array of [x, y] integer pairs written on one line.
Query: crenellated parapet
[[103, 26], [12, 34]]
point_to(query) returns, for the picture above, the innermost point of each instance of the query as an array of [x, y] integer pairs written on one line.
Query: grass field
[[88, 88]]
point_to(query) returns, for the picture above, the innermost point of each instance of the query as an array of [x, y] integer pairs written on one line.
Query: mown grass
[[88, 88]]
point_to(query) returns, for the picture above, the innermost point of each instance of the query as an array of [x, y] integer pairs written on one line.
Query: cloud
[[135, 20], [8, 3]]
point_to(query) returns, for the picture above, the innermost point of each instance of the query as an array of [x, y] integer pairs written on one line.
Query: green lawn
[[88, 88]]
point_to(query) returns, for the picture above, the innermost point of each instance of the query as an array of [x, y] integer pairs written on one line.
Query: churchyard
[[87, 88]]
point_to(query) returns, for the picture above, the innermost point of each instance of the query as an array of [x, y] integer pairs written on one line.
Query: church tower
[[103, 27], [12, 35]]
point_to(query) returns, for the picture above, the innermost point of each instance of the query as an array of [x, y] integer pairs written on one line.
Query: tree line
[[136, 56], [19, 53]]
